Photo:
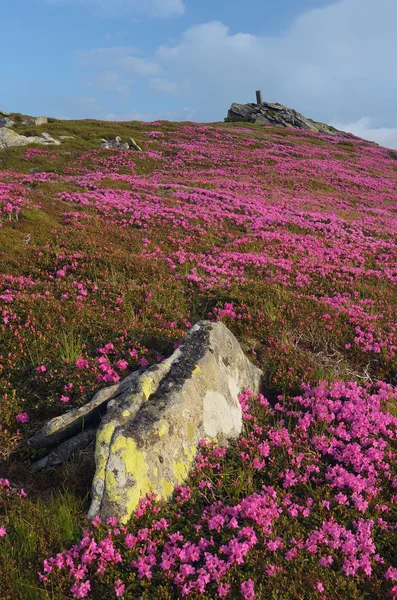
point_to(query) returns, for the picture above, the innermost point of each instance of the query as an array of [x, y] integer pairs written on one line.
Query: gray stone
[[277, 115], [10, 138], [125, 146], [65, 450], [149, 425], [48, 139], [6, 122], [74, 420], [40, 121], [147, 444], [28, 121], [67, 137]]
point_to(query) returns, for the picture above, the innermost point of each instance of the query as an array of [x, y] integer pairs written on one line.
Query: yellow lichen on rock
[[148, 386], [191, 431], [190, 453], [162, 430], [167, 489], [181, 470], [135, 465]]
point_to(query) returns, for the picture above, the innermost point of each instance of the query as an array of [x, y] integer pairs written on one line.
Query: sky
[[333, 61]]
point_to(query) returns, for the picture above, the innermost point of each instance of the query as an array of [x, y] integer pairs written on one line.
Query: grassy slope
[[288, 237]]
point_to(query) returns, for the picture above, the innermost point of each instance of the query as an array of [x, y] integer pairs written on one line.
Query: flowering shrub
[[311, 485], [108, 257]]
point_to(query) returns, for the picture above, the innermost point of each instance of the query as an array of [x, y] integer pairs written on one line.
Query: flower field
[[107, 258]]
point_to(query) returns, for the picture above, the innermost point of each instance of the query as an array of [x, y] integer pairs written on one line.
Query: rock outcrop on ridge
[[277, 115], [153, 420]]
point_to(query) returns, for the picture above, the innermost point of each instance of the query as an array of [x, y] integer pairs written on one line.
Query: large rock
[[191, 396], [277, 115], [6, 122], [148, 438], [10, 138]]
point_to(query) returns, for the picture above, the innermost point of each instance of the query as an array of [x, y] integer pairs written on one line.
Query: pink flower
[[65, 399], [41, 369], [119, 588], [3, 531], [391, 574], [22, 417], [121, 365], [82, 363], [223, 589], [319, 586], [247, 590], [80, 590], [143, 362]]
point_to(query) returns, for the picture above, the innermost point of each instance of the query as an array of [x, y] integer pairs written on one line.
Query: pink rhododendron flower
[[22, 417]]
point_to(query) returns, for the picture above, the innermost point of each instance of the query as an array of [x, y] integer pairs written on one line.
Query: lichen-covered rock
[[148, 426], [75, 420], [6, 122], [147, 442], [277, 115], [117, 142], [10, 138]]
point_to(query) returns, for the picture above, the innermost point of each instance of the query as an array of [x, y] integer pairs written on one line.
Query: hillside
[[290, 238]]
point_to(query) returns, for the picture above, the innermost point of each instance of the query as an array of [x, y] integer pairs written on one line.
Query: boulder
[[149, 425], [48, 139], [41, 121], [6, 122], [148, 442], [277, 115], [9, 138]]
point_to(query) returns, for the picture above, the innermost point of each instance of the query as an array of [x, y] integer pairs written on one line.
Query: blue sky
[[190, 59]]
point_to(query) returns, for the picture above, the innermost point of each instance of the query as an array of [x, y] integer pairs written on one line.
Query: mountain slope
[[108, 256]]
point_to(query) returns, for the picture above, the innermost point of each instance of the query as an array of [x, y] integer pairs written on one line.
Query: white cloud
[[110, 81], [182, 114], [120, 59], [158, 9], [163, 86], [385, 136], [333, 64]]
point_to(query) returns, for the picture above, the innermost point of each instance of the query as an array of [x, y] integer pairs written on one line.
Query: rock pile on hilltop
[[277, 115]]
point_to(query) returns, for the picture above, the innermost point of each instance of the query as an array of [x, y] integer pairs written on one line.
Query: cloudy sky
[[190, 59]]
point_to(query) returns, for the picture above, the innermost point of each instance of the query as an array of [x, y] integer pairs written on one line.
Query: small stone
[[125, 146], [67, 137], [118, 139]]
